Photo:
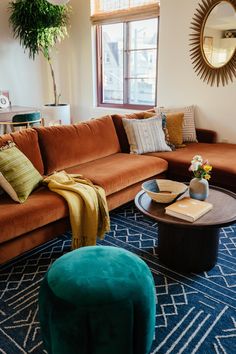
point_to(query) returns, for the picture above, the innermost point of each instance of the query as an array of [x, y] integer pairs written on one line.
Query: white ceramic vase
[[56, 114], [199, 188]]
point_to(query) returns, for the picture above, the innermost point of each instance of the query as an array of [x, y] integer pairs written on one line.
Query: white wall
[[180, 85], [24, 78], [75, 59], [29, 81]]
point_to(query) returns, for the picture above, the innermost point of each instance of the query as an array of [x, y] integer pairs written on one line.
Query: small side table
[[185, 246]]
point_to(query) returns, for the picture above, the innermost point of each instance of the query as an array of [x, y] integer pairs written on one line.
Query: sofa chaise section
[[220, 155]]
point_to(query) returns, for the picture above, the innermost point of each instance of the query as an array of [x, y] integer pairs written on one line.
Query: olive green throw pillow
[[18, 177]]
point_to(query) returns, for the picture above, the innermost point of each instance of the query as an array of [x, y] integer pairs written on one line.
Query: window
[[126, 54]]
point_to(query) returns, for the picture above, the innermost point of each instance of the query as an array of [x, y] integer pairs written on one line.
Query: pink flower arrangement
[[200, 168]]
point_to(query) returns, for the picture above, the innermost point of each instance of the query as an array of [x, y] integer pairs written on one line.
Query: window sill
[[124, 107]]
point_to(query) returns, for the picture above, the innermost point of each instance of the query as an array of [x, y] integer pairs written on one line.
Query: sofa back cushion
[[27, 142], [67, 146]]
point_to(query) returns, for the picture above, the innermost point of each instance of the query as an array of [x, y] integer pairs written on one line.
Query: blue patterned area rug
[[196, 313]]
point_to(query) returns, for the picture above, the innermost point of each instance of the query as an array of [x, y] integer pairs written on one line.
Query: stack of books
[[188, 209]]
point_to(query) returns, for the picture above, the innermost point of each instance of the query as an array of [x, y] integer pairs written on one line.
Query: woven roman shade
[[107, 11]]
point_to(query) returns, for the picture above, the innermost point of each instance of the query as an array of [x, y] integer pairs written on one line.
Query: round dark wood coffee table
[[185, 246]]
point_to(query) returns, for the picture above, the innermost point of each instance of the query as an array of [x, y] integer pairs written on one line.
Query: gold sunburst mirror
[[213, 41]]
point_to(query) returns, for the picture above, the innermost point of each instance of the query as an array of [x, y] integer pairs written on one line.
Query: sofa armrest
[[206, 136]]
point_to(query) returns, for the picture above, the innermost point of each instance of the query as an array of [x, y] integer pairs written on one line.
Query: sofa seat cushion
[[66, 146], [118, 171], [221, 156], [41, 208]]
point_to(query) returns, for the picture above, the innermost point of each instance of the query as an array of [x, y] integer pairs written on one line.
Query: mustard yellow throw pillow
[[174, 123], [18, 177], [189, 130]]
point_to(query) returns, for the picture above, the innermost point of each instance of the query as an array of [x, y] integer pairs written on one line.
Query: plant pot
[[199, 188], [56, 114]]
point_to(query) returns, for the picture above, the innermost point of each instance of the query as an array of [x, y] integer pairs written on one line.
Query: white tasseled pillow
[[145, 135]]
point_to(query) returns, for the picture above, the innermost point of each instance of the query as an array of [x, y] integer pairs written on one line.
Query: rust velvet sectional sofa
[[98, 150]]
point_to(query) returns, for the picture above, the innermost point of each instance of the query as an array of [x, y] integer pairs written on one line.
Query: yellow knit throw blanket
[[89, 216]]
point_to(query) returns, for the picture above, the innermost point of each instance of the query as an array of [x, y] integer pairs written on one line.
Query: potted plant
[[39, 26]]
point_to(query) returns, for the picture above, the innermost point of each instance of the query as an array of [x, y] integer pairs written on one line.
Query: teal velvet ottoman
[[97, 300]]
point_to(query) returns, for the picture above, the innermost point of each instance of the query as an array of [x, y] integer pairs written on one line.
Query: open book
[[188, 209]]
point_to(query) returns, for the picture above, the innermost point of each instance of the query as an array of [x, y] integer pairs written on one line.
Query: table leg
[[188, 249]]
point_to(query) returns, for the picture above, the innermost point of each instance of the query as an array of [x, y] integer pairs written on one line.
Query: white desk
[[6, 114]]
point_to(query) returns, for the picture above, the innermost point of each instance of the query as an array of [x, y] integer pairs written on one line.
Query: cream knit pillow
[[145, 135]]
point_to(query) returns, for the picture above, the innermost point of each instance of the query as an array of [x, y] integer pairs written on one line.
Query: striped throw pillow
[[189, 129], [18, 177], [145, 135]]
